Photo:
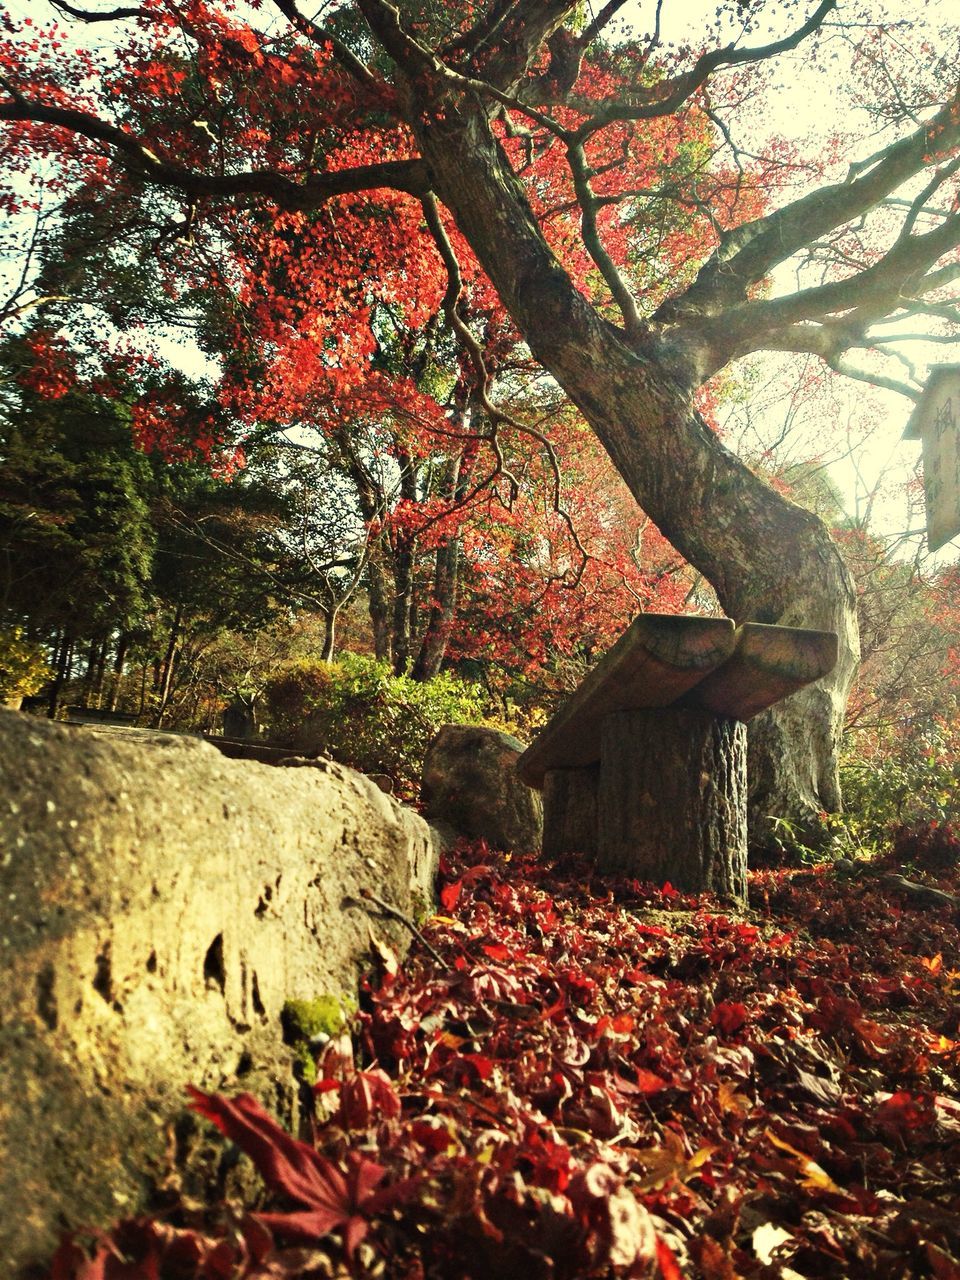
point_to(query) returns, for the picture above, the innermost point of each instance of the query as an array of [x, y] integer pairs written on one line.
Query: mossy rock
[[308, 1024]]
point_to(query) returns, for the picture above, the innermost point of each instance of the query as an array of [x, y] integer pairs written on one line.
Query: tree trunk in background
[[90, 673], [61, 666], [144, 671], [378, 602], [404, 553], [100, 672], [329, 634], [166, 670], [403, 605], [446, 585], [116, 676], [446, 582]]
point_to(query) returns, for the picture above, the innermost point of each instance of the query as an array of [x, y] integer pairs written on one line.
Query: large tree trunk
[[768, 560]]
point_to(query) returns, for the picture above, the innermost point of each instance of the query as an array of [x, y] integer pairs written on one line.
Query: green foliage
[[918, 785], [23, 668], [903, 810], [364, 716], [790, 844], [74, 516], [306, 1022]]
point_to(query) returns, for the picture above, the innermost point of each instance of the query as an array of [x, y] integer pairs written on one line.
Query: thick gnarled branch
[[310, 192]]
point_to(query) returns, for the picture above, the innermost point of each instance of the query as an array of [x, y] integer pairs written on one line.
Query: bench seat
[[644, 766]]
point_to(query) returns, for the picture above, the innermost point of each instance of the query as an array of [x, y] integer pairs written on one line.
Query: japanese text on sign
[[941, 468]]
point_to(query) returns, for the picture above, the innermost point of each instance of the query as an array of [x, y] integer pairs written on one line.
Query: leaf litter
[[611, 1080]]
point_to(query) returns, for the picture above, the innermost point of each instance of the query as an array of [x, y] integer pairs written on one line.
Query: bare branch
[[495, 412], [13, 310], [831, 317], [883, 381], [749, 252], [918, 206], [591, 238], [667, 96], [88, 15]]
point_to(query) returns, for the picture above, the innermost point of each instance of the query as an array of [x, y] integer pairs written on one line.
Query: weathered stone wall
[[158, 904]]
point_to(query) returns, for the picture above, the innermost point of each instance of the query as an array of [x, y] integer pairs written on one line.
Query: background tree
[[75, 529]]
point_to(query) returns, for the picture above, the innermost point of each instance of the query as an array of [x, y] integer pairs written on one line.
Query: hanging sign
[[936, 423]]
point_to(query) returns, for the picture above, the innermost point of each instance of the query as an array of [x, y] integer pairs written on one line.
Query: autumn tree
[[410, 156]]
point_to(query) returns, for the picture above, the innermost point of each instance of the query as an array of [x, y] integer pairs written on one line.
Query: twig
[[390, 910]]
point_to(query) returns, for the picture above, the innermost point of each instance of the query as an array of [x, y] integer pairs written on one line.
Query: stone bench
[[644, 767]]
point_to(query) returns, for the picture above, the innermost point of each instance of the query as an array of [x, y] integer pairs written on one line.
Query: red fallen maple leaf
[[333, 1199], [364, 1095], [729, 1016], [450, 895]]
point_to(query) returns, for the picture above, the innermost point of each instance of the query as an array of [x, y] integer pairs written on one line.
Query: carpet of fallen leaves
[[613, 1080]]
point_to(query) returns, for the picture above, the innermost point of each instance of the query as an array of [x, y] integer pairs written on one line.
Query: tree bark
[[404, 548], [329, 634], [570, 811], [90, 673], [166, 673], [446, 581], [61, 667], [100, 673], [672, 800], [768, 560], [116, 677], [403, 578], [378, 604]]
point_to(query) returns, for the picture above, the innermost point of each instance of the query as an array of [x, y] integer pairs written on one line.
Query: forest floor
[[577, 1079]]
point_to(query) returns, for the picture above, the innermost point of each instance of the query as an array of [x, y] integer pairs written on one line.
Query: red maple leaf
[[333, 1198]]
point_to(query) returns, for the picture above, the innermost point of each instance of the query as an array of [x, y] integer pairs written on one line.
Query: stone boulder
[[159, 904], [471, 784]]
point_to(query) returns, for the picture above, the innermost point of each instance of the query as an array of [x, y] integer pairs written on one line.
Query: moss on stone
[[305, 1021]]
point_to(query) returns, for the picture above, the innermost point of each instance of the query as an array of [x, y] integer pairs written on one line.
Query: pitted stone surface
[[158, 904]]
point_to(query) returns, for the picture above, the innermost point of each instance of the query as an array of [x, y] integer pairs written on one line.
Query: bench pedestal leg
[[570, 811], [672, 800]]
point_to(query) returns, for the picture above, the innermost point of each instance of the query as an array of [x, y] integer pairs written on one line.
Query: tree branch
[[667, 96], [750, 251], [87, 15], [321, 36], [495, 412], [591, 238], [313, 191], [881, 380]]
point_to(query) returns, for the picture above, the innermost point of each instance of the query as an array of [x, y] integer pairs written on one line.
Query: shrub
[[928, 846], [920, 785], [357, 711], [23, 668]]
